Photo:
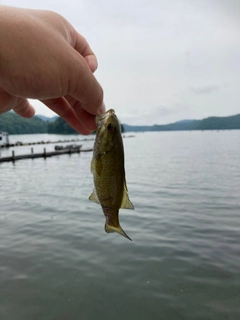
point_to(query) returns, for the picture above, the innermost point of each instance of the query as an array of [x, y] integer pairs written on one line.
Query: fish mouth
[[102, 118]]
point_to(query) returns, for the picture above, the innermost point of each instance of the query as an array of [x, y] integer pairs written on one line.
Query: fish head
[[109, 129]]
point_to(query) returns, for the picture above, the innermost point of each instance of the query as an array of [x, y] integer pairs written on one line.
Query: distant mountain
[[211, 123], [13, 124], [218, 123], [47, 119], [60, 126], [185, 121]]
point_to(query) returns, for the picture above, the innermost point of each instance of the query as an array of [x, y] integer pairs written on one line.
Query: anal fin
[[93, 197]]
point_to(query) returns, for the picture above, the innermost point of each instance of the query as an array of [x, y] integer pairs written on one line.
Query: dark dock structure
[[45, 154], [24, 144]]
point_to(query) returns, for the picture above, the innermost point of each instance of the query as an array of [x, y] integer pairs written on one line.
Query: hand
[[42, 57]]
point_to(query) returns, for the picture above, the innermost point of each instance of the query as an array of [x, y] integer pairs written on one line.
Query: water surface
[[57, 262]]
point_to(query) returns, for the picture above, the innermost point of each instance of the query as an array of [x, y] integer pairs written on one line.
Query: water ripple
[[57, 262]]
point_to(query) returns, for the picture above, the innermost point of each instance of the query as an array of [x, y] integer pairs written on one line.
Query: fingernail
[[102, 109]]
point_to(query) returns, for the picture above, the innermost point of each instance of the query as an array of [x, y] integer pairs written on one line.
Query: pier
[[44, 154], [24, 144], [59, 150]]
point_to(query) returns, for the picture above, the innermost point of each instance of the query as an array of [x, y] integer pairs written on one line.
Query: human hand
[[43, 57]]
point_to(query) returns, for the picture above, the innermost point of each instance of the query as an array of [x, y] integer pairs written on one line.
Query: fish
[[107, 166]]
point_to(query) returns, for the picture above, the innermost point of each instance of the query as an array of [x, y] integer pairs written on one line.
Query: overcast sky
[[159, 61]]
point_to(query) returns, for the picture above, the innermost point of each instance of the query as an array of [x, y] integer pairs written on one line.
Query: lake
[[57, 262]]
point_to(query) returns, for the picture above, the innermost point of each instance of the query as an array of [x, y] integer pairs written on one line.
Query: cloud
[[205, 89], [159, 61], [156, 115]]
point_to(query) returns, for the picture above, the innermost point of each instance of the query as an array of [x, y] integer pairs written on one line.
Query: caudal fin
[[118, 229]]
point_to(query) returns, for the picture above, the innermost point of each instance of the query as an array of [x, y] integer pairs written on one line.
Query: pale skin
[[43, 57]]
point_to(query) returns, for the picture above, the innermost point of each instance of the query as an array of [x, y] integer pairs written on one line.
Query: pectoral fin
[[96, 166], [91, 166], [126, 203], [93, 197]]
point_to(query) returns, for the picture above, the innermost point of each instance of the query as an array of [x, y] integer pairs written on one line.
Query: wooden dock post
[[31, 150], [13, 155], [44, 152]]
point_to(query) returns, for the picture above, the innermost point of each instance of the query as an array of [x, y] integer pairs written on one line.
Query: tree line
[[13, 124]]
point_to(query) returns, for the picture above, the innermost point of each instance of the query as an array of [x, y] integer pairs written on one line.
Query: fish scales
[[108, 171]]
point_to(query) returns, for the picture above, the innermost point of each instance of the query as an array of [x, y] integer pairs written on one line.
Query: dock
[[59, 150], [24, 144], [45, 154]]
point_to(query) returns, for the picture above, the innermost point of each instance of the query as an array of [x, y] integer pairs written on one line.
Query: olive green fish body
[[108, 171]]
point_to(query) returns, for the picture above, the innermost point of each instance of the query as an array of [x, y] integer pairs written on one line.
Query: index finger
[[81, 45], [83, 86]]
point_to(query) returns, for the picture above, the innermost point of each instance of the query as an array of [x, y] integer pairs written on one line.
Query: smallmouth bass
[[108, 171]]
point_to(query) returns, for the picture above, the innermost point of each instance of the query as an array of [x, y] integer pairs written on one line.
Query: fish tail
[[110, 228]]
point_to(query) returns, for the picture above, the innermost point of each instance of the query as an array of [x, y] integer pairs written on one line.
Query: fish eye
[[110, 127]]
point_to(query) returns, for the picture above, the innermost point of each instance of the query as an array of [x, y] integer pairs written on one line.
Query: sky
[[160, 61]]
